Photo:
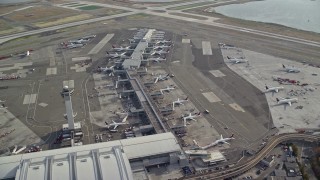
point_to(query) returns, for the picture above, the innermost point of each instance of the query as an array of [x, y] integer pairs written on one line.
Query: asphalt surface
[[192, 75]]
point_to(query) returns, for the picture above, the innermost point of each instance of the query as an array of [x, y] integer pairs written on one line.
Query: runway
[[167, 15]]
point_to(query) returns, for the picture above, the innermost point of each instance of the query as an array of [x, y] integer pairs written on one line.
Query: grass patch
[[190, 6], [137, 16], [78, 5], [92, 7]]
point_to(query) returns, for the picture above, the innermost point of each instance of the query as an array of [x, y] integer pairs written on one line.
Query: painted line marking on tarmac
[[51, 71], [52, 61], [206, 48], [30, 98], [236, 107], [102, 43], [69, 83], [186, 41], [211, 97], [217, 73]]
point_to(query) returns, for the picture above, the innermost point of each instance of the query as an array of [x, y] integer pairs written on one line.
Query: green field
[[93, 7]]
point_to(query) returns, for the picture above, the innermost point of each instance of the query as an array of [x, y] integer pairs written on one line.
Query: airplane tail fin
[[283, 66], [28, 53], [106, 123], [267, 87], [228, 57], [186, 98], [199, 113], [108, 53], [277, 99], [168, 50], [232, 136]]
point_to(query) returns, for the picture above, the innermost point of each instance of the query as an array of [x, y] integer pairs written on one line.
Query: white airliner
[[154, 53], [226, 46], [17, 151], [163, 41], [190, 117], [3, 106], [128, 48], [179, 102], [219, 141], [106, 70], [116, 124], [288, 101], [79, 41], [27, 53], [237, 60], [161, 78], [290, 69], [117, 55], [274, 89], [160, 47], [168, 88], [158, 59]]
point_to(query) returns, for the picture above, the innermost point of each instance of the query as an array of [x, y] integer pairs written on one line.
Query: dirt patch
[[63, 20]]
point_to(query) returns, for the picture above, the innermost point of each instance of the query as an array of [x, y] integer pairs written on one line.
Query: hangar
[[109, 160]]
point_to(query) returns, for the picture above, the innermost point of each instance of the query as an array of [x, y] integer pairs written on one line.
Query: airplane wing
[[125, 118], [115, 126], [289, 102], [184, 121], [277, 90], [225, 142], [221, 137], [193, 119], [20, 150], [237, 62], [15, 149], [157, 79]]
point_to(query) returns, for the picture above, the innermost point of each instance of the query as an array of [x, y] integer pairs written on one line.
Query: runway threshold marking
[[217, 73], [102, 43], [52, 61], [186, 41], [236, 107], [211, 97], [51, 71], [69, 83], [30, 98], [206, 48]]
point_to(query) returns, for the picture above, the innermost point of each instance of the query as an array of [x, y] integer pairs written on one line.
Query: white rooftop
[[215, 156], [136, 56], [109, 160]]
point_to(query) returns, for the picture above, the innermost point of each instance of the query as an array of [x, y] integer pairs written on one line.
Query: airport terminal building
[[109, 160]]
